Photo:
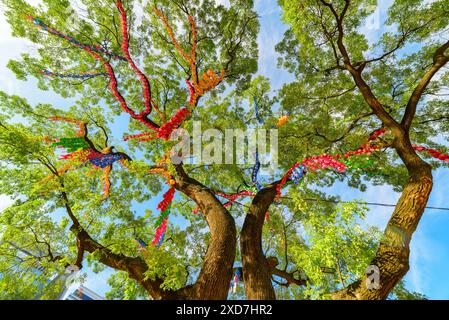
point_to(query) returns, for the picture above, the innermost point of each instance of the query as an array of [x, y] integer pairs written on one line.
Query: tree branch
[[439, 61]]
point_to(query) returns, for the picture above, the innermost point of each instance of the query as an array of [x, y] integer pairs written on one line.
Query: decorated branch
[[91, 48], [81, 150], [340, 163]]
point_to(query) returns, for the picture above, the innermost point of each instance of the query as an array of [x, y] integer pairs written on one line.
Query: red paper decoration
[[167, 199], [125, 48], [166, 130], [160, 231]]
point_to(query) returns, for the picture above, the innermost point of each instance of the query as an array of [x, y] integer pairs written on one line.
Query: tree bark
[[256, 270]]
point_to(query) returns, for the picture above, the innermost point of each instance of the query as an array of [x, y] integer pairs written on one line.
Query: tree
[[325, 46], [111, 61]]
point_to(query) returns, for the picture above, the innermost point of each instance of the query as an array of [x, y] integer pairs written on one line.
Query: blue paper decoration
[[106, 160], [298, 174]]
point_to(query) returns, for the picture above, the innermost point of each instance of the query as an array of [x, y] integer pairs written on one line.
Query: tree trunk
[[215, 276], [392, 256], [256, 270]]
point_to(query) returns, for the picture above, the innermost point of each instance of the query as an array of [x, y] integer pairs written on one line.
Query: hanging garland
[[362, 164], [191, 93], [163, 216], [160, 232], [434, 153], [71, 144], [143, 136], [324, 161], [249, 188], [161, 224], [167, 199], [197, 87], [298, 173]]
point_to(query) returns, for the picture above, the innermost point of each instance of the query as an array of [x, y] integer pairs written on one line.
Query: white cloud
[[5, 202]]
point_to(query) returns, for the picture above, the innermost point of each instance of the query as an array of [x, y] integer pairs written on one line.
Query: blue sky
[[429, 247]]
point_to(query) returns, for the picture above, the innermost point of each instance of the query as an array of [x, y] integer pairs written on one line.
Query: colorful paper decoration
[[434, 153], [167, 128], [161, 224], [96, 52], [106, 160], [323, 161], [160, 231], [197, 87], [191, 93], [250, 188], [94, 48], [267, 216], [161, 240], [163, 216], [145, 136], [81, 125], [256, 111], [363, 163], [87, 75], [125, 48], [282, 120], [256, 169], [140, 241], [79, 150], [298, 173], [377, 134], [167, 199], [71, 144]]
